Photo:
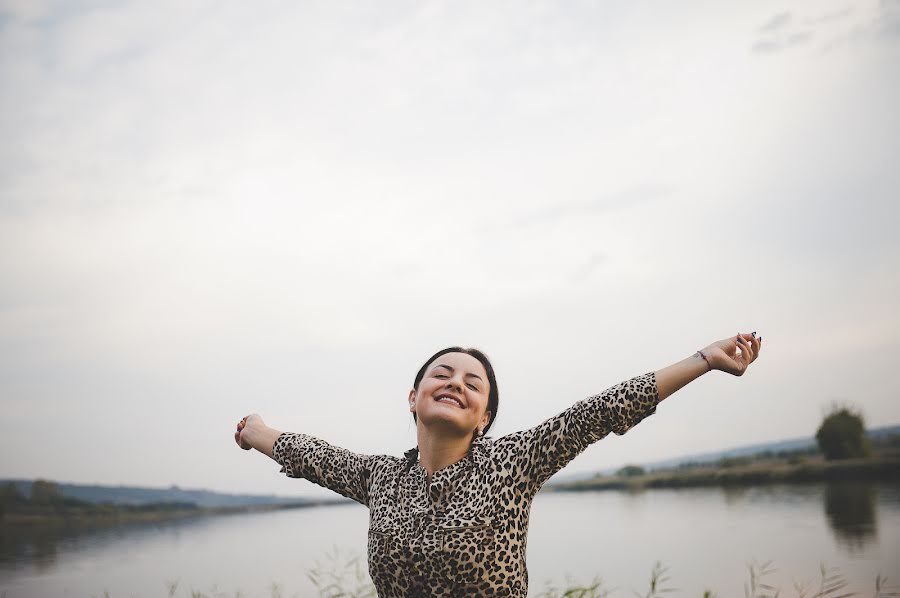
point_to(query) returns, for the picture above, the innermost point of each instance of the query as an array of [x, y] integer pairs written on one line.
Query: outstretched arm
[[308, 457], [733, 355], [546, 448]]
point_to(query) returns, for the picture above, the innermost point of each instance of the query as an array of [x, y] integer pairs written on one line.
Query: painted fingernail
[[754, 333]]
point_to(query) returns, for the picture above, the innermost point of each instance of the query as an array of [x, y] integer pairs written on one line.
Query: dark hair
[[493, 393]]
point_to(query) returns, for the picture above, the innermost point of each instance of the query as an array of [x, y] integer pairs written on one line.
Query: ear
[[486, 419], [412, 401]]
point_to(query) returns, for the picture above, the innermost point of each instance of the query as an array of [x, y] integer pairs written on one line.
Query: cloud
[[836, 28], [885, 25], [780, 43], [607, 203], [830, 17], [594, 262], [882, 25], [779, 33], [776, 23]]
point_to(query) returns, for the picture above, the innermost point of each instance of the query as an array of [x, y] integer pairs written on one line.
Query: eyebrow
[[441, 365]]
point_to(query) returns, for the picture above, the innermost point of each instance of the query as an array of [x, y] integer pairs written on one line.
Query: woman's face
[[453, 395]]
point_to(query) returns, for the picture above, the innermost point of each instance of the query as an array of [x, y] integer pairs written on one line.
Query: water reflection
[[41, 545], [734, 495], [36, 545], [851, 511]]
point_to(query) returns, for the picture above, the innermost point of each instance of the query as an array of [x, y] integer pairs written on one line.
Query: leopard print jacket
[[464, 533]]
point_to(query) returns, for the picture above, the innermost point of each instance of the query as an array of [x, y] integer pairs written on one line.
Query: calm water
[[705, 537]]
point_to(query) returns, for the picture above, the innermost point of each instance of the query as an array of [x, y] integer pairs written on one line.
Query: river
[[705, 538]]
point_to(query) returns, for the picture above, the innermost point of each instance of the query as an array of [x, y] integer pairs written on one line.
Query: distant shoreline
[[870, 469], [94, 515]]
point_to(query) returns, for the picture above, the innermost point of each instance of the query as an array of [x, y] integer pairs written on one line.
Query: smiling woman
[[450, 518], [479, 379]]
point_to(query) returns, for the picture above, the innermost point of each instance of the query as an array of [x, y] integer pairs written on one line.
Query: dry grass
[[340, 575]]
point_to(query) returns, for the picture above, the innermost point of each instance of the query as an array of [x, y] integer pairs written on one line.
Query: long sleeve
[[548, 447], [329, 466]]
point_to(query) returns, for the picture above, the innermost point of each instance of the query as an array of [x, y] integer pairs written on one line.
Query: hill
[[136, 496], [793, 445]]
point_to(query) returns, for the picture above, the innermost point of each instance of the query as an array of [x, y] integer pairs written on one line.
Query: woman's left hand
[[248, 422], [735, 354]]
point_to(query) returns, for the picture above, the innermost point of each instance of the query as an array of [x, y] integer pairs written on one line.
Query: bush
[[796, 459], [630, 471], [45, 492], [734, 461], [842, 435]]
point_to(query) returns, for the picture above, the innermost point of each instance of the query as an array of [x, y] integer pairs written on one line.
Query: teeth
[[449, 400]]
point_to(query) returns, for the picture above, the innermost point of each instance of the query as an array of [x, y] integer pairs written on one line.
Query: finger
[[748, 348], [733, 345], [746, 351], [754, 345], [754, 342]]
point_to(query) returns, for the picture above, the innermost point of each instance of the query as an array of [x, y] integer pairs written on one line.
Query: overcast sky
[[210, 209]]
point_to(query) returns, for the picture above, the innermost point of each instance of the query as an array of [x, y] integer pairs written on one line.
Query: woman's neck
[[437, 451]]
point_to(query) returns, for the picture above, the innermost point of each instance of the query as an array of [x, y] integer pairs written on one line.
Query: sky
[[210, 209]]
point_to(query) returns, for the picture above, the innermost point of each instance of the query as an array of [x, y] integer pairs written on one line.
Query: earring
[[480, 432]]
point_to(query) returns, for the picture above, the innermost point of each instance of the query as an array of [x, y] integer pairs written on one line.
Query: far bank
[[881, 469]]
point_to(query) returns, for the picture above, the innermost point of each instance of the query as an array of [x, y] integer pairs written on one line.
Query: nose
[[455, 383]]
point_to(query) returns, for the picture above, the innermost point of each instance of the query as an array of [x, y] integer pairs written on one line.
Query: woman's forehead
[[462, 361]]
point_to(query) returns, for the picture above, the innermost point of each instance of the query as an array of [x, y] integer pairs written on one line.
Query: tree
[[842, 435], [630, 471], [9, 493], [44, 491], [9, 498]]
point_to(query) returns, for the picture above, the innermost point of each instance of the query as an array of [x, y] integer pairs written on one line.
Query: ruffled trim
[[476, 451]]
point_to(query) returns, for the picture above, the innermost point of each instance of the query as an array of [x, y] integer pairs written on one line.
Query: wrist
[[251, 434], [703, 356], [261, 437]]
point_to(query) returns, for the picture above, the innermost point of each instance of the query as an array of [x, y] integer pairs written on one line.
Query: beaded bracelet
[[706, 360]]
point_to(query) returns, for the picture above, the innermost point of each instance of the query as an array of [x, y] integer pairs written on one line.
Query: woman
[[450, 518]]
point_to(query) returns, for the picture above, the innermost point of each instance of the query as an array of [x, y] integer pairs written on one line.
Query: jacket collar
[[475, 454]]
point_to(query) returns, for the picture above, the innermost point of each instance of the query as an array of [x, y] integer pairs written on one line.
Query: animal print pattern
[[465, 532]]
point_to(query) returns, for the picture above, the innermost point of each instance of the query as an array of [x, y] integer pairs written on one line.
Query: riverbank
[[870, 469], [77, 514]]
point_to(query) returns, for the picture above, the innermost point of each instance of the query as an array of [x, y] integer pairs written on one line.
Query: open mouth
[[450, 400]]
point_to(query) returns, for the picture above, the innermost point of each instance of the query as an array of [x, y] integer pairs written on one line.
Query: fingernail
[[754, 333]]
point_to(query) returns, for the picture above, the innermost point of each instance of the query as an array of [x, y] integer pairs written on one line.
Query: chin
[[446, 423]]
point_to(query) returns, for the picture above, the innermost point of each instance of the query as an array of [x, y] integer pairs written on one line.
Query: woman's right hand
[[251, 421], [734, 354]]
